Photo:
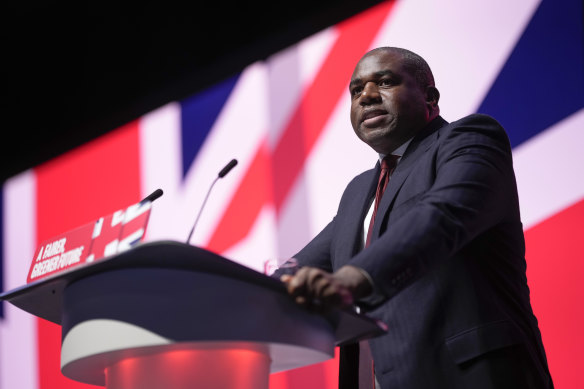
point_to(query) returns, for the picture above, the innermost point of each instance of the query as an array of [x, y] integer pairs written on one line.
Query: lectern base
[[186, 369]]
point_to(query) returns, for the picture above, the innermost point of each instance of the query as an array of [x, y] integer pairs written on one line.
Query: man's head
[[392, 97]]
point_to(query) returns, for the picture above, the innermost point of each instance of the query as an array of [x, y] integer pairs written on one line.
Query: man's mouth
[[373, 118]]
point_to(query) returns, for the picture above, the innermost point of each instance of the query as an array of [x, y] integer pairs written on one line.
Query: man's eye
[[385, 82], [356, 91]]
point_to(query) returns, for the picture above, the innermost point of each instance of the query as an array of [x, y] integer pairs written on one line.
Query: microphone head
[[153, 196], [227, 168]]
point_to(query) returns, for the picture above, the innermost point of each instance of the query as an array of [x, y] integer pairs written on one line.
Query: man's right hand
[[321, 291]]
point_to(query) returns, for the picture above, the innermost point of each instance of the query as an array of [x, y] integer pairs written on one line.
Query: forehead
[[378, 62]]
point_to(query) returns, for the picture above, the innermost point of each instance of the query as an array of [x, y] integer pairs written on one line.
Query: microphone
[[227, 168], [221, 174], [152, 196]]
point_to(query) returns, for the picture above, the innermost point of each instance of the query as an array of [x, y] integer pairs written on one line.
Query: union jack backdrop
[[286, 120]]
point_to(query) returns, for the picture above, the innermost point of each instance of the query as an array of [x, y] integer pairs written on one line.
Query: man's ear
[[432, 96]]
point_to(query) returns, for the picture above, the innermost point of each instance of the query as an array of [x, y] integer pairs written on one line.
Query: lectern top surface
[[43, 298]]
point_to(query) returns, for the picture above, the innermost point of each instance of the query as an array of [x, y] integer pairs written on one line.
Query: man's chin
[[376, 137]]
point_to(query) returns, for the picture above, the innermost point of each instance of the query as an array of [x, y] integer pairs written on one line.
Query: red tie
[[366, 371], [388, 165], [356, 368]]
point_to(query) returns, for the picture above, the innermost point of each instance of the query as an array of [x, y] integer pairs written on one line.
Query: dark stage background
[[75, 70]]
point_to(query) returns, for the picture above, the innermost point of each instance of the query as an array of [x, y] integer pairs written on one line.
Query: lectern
[[169, 315]]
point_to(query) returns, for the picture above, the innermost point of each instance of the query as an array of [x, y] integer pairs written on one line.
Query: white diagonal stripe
[[548, 167]]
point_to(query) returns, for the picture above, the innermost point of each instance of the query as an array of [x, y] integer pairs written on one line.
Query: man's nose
[[370, 94]]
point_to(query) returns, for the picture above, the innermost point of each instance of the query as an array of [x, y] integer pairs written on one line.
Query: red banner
[[103, 238]]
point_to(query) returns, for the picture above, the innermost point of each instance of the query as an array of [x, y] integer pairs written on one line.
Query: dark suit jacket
[[447, 261]]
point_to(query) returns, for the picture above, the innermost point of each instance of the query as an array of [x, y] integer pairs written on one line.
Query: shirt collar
[[399, 151]]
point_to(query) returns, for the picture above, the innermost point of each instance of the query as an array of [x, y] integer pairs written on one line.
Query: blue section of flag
[[543, 79], [198, 113]]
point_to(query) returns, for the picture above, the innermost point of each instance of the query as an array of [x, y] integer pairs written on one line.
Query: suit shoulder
[[363, 177], [475, 131], [477, 119], [358, 182], [479, 124]]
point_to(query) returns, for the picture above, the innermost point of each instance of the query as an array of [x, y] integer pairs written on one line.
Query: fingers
[[285, 278], [300, 286], [317, 289]]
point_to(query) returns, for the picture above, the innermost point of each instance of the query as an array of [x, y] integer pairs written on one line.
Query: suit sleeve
[[473, 188]]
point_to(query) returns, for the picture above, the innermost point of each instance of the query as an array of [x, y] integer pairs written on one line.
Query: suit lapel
[[420, 144], [352, 224]]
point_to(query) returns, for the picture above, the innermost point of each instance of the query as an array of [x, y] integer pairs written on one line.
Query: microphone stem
[[201, 209]]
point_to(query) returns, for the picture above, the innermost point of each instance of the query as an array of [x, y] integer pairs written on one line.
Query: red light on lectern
[[205, 368]]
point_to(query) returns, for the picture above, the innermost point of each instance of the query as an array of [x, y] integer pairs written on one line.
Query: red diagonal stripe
[[303, 130], [316, 107]]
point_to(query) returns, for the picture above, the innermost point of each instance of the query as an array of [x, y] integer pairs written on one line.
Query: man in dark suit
[[439, 256]]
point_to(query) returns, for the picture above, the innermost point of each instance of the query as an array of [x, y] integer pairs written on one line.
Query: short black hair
[[414, 64]]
